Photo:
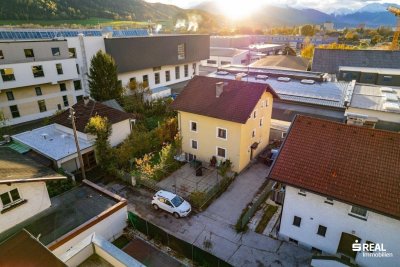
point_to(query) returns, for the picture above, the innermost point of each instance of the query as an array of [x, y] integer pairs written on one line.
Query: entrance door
[[345, 245]]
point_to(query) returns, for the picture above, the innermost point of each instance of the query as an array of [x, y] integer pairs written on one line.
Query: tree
[[307, 30], [101, 128], [308, 51], [376, 39], [103, 78]]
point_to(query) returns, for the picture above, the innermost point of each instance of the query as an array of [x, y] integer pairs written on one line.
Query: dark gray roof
[[329, 60], [16, 168], [112, 103]]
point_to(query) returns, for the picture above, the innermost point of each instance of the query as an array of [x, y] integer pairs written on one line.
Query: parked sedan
[[172, 203]]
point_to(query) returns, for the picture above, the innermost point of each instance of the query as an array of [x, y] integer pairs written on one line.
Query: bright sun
[[238, 9]]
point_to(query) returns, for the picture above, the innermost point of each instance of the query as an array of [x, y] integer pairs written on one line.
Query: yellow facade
[[239, 137], [26, 100]]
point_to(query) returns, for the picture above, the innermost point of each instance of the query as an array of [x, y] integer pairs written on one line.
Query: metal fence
[[183, 248]]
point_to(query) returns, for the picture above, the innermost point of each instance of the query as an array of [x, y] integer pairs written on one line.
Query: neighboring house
[[38, 78], [44, 71], [341, 186], [374, 106], [300, 92], [55, 142], [23, 191], [225, 119], [221, 56], [283, 61], [378, 76], [329, 60]]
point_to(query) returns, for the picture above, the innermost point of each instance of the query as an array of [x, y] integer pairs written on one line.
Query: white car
[[172, 203]]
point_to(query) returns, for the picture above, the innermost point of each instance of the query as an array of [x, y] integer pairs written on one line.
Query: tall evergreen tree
[[103, 78]]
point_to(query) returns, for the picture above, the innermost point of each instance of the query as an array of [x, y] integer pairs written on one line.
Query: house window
[[72, 52], [59, 106], [79, 98], [38, 90], [77, 69], [145, 80], [132, 80], [261, 121], [387, 78], [212, 62], [55, 51], [42, 106], [14, 111], [10, 95], [193, 126], [181, 52], [267, 102], [77, 85], [194, 68], [186, 68], [321, 230], [63, 87], [358, 212], [8, 198], [223, 63], [29, 53], [296, 221], [65, 100], [37, 71], [1, 54], [59, 69], [194, 144], [221, 152], [156, 68], [255, 114], [7, 75], [157, 78], [253, 133], [329, 201], [302, 193], [167, 75], [262, 103], [284, 134], [177, 73], [221, 133]]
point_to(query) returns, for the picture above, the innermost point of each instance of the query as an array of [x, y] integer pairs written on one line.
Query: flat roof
[[389, 71], [283, 61], [226, 51], [67, 212], [322, 93], [17, 168], [367, 96], [51, 142]]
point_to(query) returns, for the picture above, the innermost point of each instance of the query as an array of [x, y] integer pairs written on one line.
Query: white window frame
[[13, 202], [216, 152], [191, 144], [284, 134], [358, 215], [226, 133], [190, 126]]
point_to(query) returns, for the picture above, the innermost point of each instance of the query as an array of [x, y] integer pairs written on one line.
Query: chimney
[[219, 88], [85, 100]]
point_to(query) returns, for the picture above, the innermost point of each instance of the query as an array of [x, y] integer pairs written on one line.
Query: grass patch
[[269, 211], [58, 187], [121, 242], [238, 226]]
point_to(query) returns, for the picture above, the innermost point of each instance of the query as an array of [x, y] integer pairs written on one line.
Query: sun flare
[[238, 9]]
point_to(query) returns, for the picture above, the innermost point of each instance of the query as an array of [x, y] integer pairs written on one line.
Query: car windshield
[[177, 201]]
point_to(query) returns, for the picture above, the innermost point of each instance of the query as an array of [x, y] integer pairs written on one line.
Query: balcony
[[39, 72]]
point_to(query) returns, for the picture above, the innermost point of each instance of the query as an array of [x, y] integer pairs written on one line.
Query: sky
[[328, 6]]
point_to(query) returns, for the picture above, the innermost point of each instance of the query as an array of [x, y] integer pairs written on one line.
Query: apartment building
[[38, 78], [224, 119], [341, 186]]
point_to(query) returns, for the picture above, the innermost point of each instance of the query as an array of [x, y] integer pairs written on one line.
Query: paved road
[[216, 224]]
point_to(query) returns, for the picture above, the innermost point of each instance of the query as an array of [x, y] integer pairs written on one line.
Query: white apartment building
[[341, 187]]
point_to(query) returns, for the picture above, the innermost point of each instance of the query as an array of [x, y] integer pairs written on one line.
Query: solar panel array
[[48, 34]]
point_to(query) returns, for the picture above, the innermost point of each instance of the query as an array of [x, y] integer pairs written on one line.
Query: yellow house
[[228, 119]]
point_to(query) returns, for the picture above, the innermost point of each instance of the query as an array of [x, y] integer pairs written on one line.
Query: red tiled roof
[[84, 113], [235, 103], [353, 164]]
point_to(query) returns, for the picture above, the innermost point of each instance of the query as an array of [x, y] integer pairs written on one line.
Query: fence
[[183, 248], [245, 218], [218, 189]]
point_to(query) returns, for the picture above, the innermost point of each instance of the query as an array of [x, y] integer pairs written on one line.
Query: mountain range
[[207, 13]]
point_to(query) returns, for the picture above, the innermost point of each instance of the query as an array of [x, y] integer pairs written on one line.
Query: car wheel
[[176, 215], [155, 207]]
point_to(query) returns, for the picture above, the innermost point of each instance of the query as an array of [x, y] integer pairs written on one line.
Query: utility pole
[[72, 116]]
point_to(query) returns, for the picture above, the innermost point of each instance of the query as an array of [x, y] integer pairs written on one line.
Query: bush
[[238, 226], [58, 187], [197, 198]]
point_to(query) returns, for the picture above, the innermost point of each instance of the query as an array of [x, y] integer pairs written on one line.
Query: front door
[[345, 246]]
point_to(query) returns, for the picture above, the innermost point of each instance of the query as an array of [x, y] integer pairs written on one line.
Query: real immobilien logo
[[371, 250]]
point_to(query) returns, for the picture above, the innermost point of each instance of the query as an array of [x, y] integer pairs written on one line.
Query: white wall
[[37, 200], [234, 60], [110, 228], [314, 212], [120, 131], [381, 115]]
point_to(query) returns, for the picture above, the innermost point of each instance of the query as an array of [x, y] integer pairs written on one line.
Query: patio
[[184, 181]]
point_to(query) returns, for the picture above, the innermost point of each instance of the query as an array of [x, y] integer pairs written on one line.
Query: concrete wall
[[381, 115], [239, 136], [120, 131], [314, 212], [37, 200], [110, 228]]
